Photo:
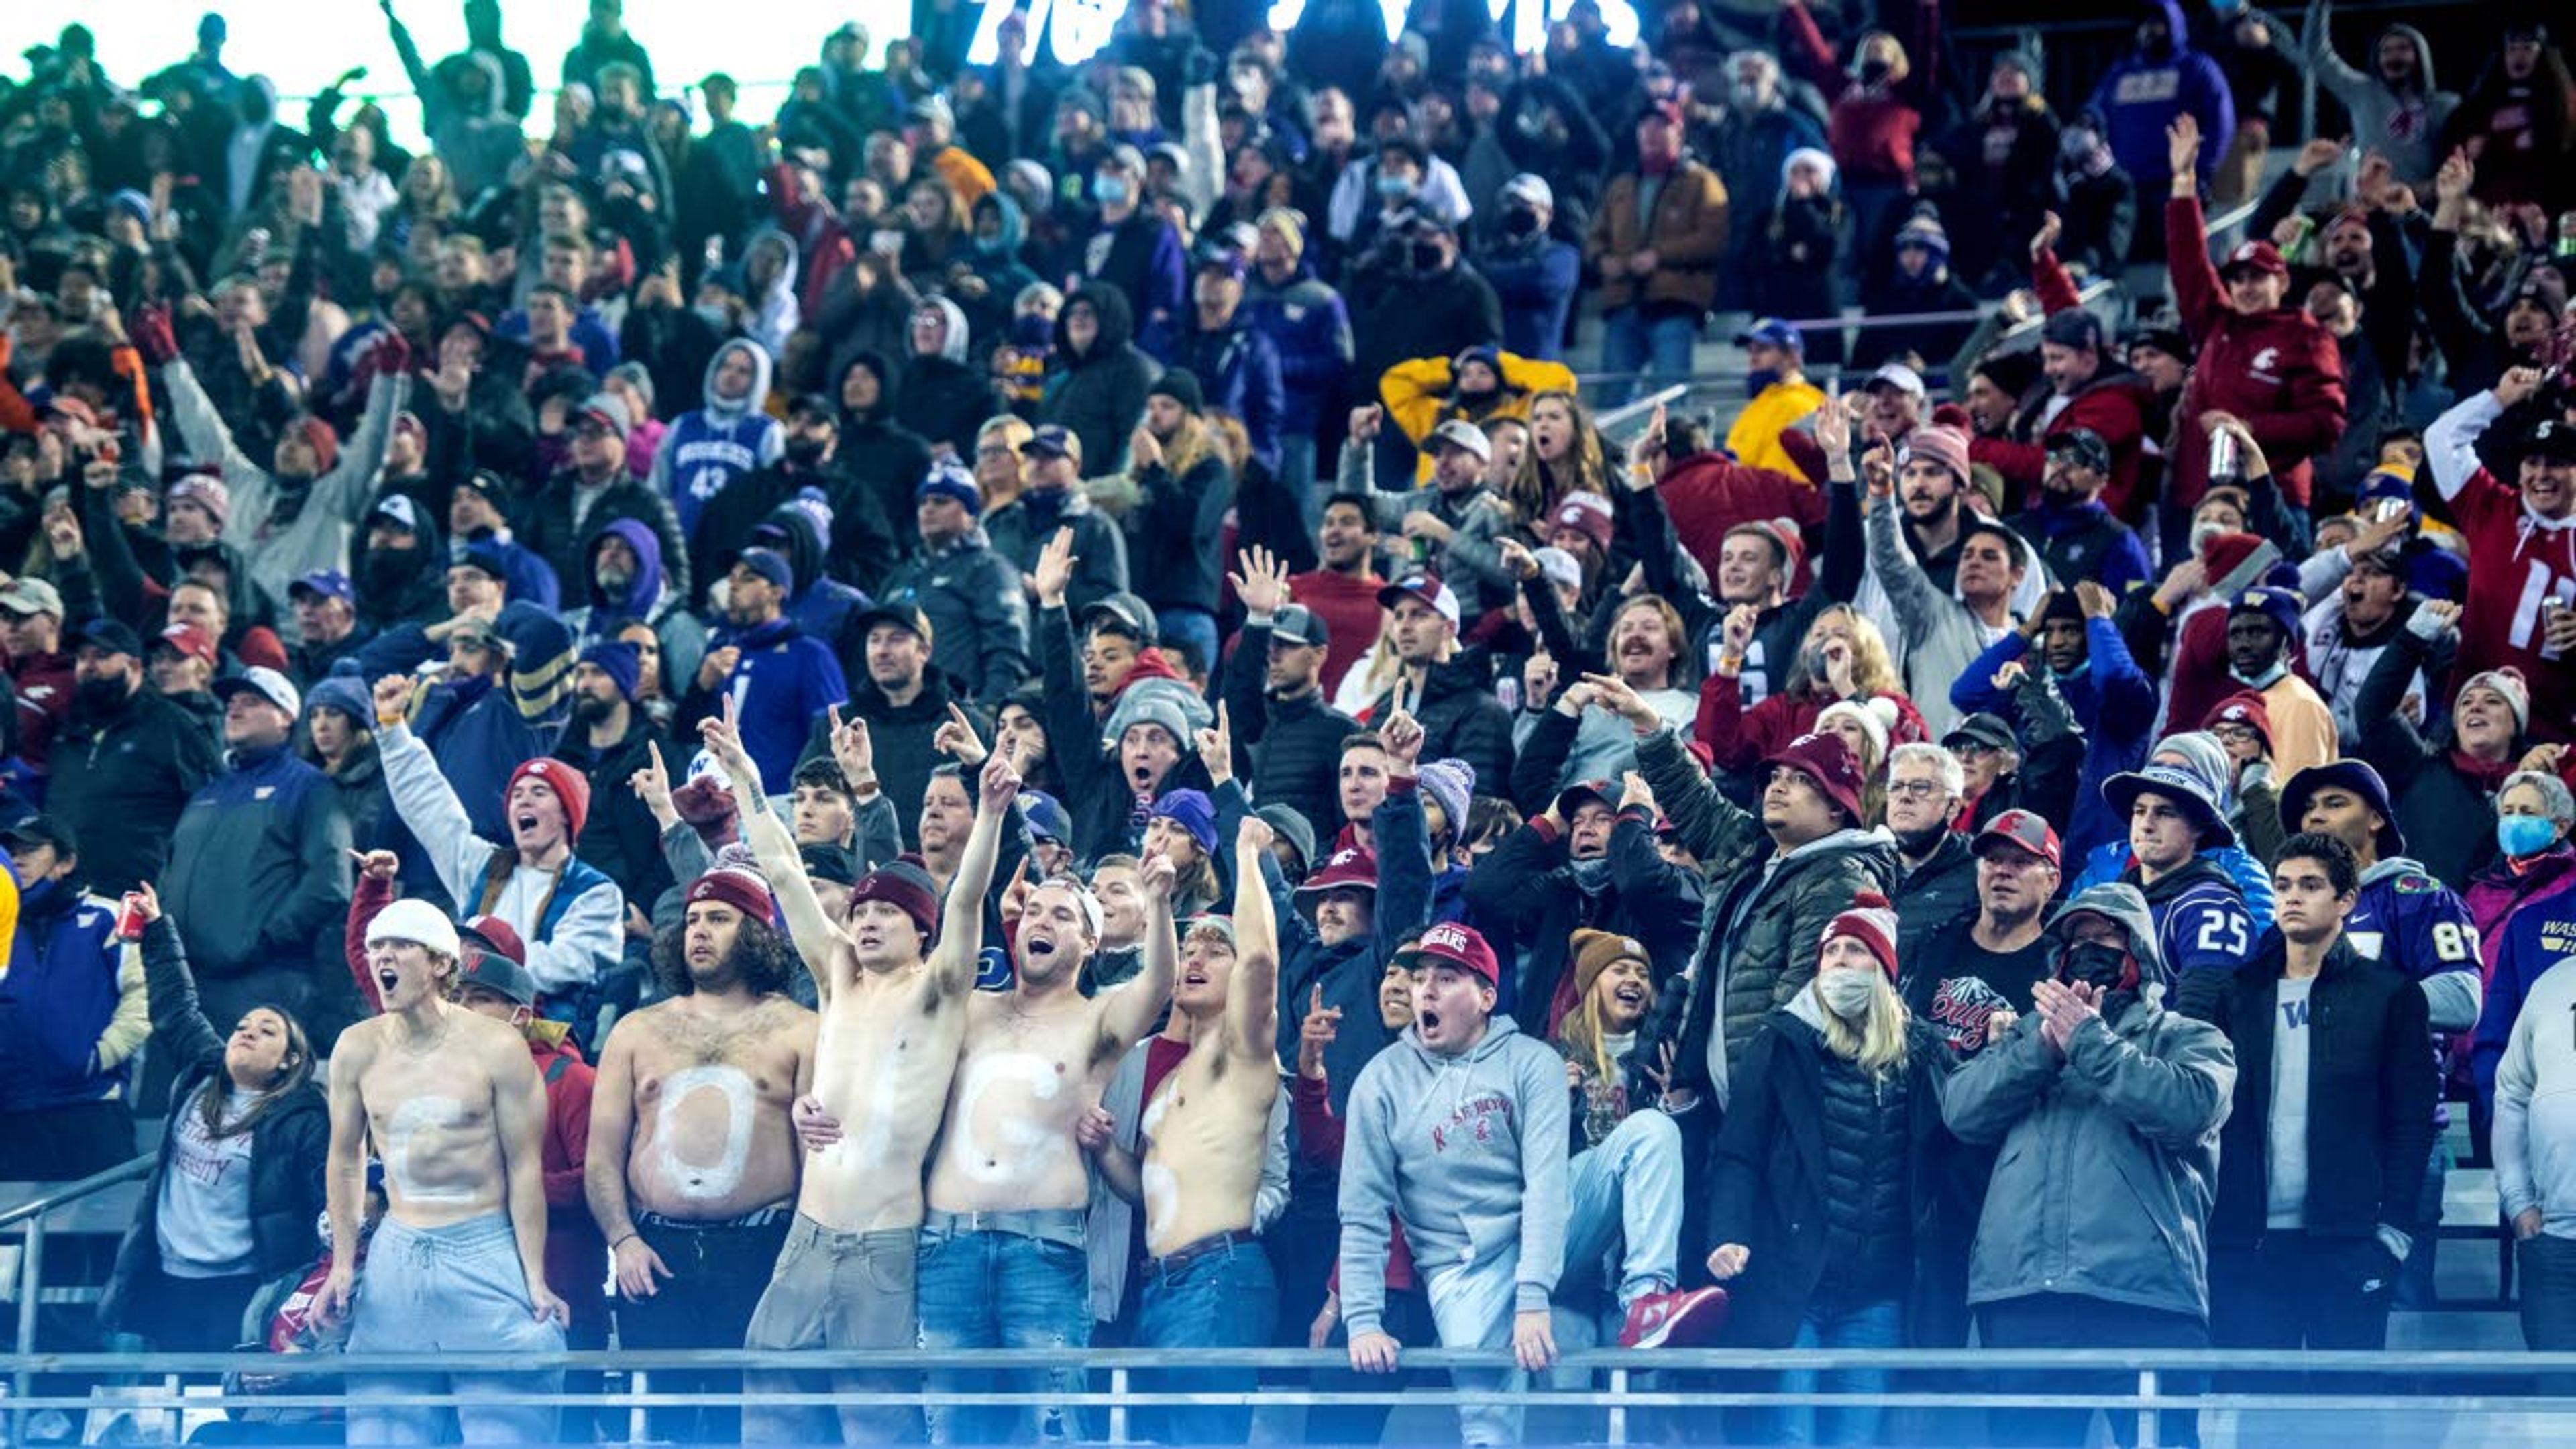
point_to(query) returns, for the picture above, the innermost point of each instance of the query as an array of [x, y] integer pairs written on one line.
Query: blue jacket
[[784, 681], [1309, 326], [2141, 94], [1238, 371], [706, 450], [259, 870], [2110, 697], [1536, 285], [58, 1001], [525, 574], [2536, 939], [2253, 881]]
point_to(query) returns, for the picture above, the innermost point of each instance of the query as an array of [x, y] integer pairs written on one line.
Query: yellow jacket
[[1755, 438], [1417, 396]]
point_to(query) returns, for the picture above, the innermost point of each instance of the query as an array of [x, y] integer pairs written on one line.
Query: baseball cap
[[2084, 445], [189, 640], [2021, 828], [1297, 624], [1460, 433], [1053, 441], [2073, 327], [1126, 613], [1422, 588], [1900, 377], [609, 411], [1530, 188], [2260, 256], [1451, 944], [1772, 332], [490, 965], [901, 614], [41, 830], [27, 597], [1981, 729], [323, 583], [1559, 568], [114, 636], [2550, 439], [398, 510]]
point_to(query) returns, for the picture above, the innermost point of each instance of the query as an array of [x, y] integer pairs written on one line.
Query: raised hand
[[1833, 426], [957, 739], [1402, 735], [1365, 421], [392, 697], [722, 733], [2452, 182], [1617, 696], [2518, 385], [2436, 618], [1633, 790], [717, 664], [1736, 634], [853, 749], [999, 786], [1157, 875], [2095, 600], [1517, 560], [2182, 146], [377, 864], [2045, 240], [2320, 153], [1263, 583], [652, 784], [1015, 896], [1839, 667], [1055, 569], [1321, 1027], [1216, 749]]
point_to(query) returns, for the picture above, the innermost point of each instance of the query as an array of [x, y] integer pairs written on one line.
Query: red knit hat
[[906, 887], [738, 887], [2244, 707], [570, 786], [1824, 758], [324, 439], [1870, 921]]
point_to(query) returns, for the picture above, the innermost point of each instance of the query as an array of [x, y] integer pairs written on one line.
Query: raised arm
[[961, 920], [1128, 1012], [1252, 1002], [817, 939]]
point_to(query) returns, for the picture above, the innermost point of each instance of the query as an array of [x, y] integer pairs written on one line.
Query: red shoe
[[1675, 1319]]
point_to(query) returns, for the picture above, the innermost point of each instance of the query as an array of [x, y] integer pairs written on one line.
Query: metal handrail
[[69, 1193]]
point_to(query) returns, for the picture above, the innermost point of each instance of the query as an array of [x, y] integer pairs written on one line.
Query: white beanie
[[418, 922]]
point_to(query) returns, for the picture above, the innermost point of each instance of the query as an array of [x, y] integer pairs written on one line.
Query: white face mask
[[1846, 994]]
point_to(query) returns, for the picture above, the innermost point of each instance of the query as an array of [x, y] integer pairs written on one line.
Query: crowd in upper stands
[[1166, 701]]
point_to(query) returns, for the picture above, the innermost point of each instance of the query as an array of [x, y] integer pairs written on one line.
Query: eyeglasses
[[1914, 789], [2236, 734]]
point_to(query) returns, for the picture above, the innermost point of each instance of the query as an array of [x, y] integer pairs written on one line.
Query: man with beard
[[595, 488], [894, 1013], [610, 739], [452, 1101], [1975, 976], [763, 664], [1454, 519], [570, 915], [2077, 535], [1274, 696], [863, 540], [2261, 623], [1461, 718], [693, 1161], [1009, 1191], [627, 586], [903, 699], [1943, 626], [297, 513], [478, 528], [124, 765], [2395, 109], [1341, 590]]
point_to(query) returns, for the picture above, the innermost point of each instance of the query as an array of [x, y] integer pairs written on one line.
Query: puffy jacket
[[72, 1013], [1100, 394], [259, 869], [1765, 915], [1773, 1177], [1295, 745], [2280, 372], [1238, 371], [902, 734], [979, 614], [1460, 717], [288, 1144], [1687, 234], [1020, 530], [1310, 328], [120, 779], [1420, 394], [2368, 1072], [620, 837]]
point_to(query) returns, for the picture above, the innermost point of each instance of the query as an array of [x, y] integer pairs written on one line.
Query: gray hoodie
[[2535, 1109], [1469, 1152], [2401, 125]]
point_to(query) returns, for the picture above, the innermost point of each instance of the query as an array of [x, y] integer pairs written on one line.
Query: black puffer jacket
[[288, 1143], [1785, 1167], [1758, 938], [1868, 1210], [901, 733], [1294, 745], [1460, 718], [1933, 894], [1101, 393]]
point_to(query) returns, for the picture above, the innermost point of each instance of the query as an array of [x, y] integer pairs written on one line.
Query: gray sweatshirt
[[2535, 1108], [1469, 1152]]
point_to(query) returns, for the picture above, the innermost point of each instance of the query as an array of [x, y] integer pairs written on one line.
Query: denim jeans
[[1865, 1325], [1627, 1195], [835, 1290], [1630, 340], [995, 1289], [1223, 1297]]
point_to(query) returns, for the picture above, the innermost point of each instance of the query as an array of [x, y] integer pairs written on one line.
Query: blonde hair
[[1873, 669], [1582, 1031], [1877, 1046]]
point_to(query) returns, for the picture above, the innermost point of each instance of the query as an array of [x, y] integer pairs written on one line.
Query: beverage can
[[129, 918]]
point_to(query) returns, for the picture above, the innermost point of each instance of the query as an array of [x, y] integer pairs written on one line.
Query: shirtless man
[[894, 1014], [454, 1107], [1003, 1263], [693, 1159], [1207, 1282]]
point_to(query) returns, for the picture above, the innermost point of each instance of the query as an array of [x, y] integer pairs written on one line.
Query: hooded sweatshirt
[[943, 397], [708, 449], [2402, 125], [647, 596], [1101, 393], [1469, 1152]]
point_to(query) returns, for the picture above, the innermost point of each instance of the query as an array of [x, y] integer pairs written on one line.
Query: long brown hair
[[1535, 487], [293, 1073]]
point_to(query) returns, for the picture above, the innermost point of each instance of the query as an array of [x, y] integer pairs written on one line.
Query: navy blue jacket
[[1237, 366], [56, 1001], [1310, 327], [1536, 284], [259, 869]]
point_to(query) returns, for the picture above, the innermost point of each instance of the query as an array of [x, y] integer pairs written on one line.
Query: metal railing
[[1616, 1382], [36, 1215]]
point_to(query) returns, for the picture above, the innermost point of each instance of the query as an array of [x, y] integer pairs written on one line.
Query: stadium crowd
[[1025, 705]]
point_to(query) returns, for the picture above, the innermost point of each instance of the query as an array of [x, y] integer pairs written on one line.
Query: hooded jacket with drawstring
[[776, 312], [646, 597], [707, 451], [880, 457], [944, 397], [1100, 395], [2403, 125], [2109, 1160]]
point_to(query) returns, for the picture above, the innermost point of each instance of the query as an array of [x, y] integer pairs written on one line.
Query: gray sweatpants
[[456, 1289]]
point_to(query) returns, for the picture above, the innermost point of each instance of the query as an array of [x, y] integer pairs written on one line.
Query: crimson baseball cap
[[2021, 828], [1451, 944]]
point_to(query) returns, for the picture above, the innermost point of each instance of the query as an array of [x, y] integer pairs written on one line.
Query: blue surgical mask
[[1394, 188], [1109, 190], [2524, 836]]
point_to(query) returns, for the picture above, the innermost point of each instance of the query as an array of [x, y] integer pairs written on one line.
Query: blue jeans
[[1223, 1297], [1630, 340], [988, 1289], [1869, 1325], [1196, 628], [1297, 475], [1627, 1194]]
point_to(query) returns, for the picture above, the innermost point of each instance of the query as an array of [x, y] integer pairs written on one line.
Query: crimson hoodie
[[2279, 372]]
